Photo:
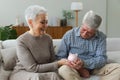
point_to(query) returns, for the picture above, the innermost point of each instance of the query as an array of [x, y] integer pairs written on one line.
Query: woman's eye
[[44, 22]]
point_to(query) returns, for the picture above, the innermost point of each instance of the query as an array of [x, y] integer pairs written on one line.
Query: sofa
[[8, 54]]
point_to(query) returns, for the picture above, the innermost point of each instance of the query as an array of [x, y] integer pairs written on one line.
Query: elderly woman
[[35, 49]]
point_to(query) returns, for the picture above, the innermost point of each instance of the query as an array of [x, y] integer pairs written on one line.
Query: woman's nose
[[46, 25]]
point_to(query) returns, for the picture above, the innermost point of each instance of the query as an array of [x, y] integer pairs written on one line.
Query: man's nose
[[85, 32]]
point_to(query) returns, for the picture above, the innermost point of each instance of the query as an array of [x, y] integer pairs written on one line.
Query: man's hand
[[73, 64], [77, 64]]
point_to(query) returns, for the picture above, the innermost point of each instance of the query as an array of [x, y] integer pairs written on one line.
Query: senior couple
[[35, 52]]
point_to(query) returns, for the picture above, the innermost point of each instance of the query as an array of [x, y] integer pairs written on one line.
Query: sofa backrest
[[8, 43], [12, 43], [113, 44], [113, 47], [56, 44]]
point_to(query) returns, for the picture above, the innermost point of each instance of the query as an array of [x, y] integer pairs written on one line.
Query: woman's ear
[[30, 22]]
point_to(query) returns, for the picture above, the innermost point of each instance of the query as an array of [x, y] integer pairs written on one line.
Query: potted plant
[[67, 15], [6, 32]]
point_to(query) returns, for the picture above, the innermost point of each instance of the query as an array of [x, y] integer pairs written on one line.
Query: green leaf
[[7, 32]]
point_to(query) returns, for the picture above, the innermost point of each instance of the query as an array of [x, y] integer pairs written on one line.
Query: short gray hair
[[33, 11], [92, 20]]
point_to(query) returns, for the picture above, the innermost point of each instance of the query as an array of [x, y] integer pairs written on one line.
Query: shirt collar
[[97, 34], [77, 31]]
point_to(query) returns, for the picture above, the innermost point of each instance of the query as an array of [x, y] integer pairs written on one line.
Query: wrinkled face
[[40, 23], [86, 32]]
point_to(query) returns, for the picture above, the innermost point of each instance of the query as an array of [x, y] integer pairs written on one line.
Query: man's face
[[86, 32]]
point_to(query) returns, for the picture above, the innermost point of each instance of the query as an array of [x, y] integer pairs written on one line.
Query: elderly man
[[88, 42]]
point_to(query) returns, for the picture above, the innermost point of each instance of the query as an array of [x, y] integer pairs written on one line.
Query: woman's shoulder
[[23, 36], [48, 36]]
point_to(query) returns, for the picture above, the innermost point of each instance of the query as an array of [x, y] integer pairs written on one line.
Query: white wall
[[10, 9], [113, 18]]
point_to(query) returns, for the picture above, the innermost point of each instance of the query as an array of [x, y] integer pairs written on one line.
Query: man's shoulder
[[72, 31], [101, 34]]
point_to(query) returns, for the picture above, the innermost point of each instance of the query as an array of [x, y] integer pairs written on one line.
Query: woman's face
[[40, 23], [86, 32]]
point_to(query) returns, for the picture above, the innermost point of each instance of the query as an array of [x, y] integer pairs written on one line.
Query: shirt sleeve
[[64, 48], [100, 58], [27, 60]]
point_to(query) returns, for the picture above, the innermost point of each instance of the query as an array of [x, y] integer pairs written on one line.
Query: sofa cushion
[[4, 75], [9, 58], [0, 44], [113, 56], [56, 44]]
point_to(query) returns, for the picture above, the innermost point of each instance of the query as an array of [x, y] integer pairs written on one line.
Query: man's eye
[[84, 29]]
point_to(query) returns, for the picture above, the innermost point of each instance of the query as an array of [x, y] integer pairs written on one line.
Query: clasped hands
[[73, 64]]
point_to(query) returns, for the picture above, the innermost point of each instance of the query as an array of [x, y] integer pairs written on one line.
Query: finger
[[73, 63], [80, 62], [70, 65]]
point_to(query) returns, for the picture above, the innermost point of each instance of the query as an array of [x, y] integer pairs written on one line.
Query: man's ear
[[30, 22]]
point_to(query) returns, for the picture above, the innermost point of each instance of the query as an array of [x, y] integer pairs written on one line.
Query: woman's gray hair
[[33, 11], [92, 20]]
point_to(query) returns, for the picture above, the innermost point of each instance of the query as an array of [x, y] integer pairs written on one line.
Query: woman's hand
[[64, 62]]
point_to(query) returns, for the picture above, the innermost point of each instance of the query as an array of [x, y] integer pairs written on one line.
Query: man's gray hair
[[33, 11], [92, 20]]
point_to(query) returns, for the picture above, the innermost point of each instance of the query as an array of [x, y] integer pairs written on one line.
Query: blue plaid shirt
[[91, 51]]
